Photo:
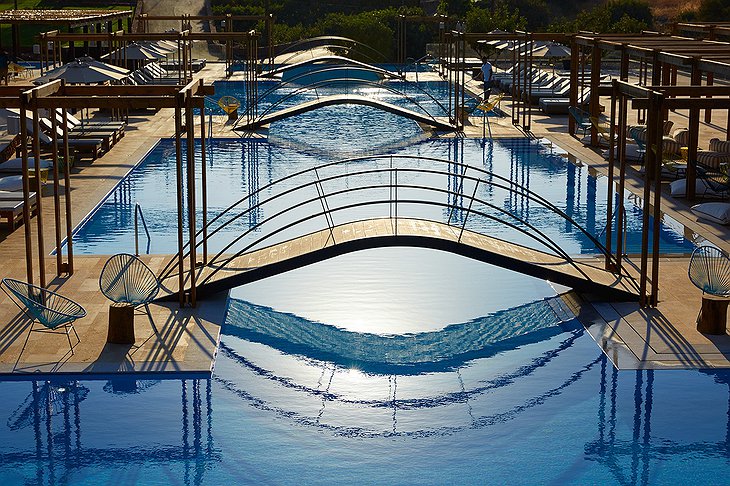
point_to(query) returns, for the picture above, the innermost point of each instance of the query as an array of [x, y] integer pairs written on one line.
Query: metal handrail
[[491, 179], [335, 82], [139, 215], [503, 183], [415, 63], [296, 46]]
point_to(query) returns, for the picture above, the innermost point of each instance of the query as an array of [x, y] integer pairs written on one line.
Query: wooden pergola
[[702, 30], [655, 100], [659, 56], [116, 41], [64, 19], [229, 39], [522, 60], [57, 95]]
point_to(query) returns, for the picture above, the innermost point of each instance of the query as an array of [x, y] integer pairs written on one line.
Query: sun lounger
[[89, 146], [108, 139], [11, 213], [97, 125], [18, 196], [15, 166], [554, 105]]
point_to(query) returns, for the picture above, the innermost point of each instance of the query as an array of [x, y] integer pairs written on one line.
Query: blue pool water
[[236, 167], [388, 366], [488, 392]]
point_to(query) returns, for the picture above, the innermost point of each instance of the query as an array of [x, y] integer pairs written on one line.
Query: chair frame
[[130, 260], [581, 118], [65, 320], [712, 252]]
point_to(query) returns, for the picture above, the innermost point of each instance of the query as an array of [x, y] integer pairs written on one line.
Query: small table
[[713, 316], [121, 324]]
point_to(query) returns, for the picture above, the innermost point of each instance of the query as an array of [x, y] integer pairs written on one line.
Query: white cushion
[[678, 188], [717, 212], [632, 152], [11, 183]]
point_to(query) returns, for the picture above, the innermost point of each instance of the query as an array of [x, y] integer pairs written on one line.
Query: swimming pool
[[388, 366], [533, 406], [236, 167]]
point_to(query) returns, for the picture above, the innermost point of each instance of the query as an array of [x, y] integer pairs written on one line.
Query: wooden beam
[[685, 103]]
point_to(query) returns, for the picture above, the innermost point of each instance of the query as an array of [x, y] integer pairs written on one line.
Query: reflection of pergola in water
[[54, 410], [384, 361], [642, 448]]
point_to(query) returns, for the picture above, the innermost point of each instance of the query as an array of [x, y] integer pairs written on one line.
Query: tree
[[714, 10], [485, 20], [624, 16]]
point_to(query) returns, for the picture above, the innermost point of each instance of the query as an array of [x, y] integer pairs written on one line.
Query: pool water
[[238, 167], [503, 389], [386, 366]]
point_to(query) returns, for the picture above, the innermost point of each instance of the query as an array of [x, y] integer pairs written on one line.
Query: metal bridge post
[[325, 206], [396, 201], [466, 216]]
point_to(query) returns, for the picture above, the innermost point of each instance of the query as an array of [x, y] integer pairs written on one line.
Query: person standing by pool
[[487, 74]]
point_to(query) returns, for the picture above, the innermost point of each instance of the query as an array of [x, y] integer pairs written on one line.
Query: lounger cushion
[[667, 127], [681, 136], [632, 152], [713, 159], [11, 183], [17, 164], [670, 145], [717, 212], [678, 188], [717, 145]]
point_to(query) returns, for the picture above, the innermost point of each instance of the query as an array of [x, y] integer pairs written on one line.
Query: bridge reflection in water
[[631, 426]]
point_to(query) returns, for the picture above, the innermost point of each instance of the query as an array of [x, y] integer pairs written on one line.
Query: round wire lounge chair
[[709, 270], [125, 279], [51, 310]]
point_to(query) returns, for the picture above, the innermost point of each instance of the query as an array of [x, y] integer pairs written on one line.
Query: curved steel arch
[[333, 38], [334, 82], [345, 60], [220, 260]]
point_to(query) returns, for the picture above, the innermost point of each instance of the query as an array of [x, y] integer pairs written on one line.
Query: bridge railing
[[330, 42], [339, 82], [369, 187]]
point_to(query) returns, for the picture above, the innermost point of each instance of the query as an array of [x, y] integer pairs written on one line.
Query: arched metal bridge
[[384, 201], [328, 76]]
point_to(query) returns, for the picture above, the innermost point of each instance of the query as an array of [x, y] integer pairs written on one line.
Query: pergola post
[[595, 103], [694, 132], [67, 194], [32, 101], [179, 100], [203, 179], [190, 149], [26, 191], [574, 61]]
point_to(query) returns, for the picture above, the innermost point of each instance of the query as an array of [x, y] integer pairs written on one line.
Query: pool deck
[[185, 340], [632, 337]]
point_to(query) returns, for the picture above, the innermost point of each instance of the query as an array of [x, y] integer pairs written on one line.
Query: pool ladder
[[137, 216]]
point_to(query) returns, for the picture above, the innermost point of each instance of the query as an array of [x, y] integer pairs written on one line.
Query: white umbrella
[[102, 65], [135, 52], [551, 49], [82, 72], [159, 47]]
